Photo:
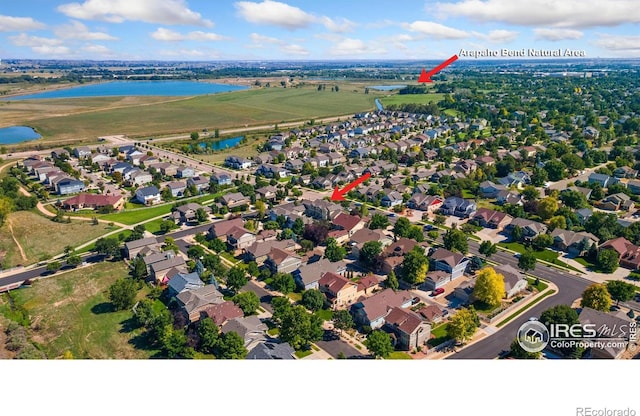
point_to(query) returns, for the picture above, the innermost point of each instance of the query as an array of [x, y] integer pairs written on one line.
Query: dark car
[[429, 227]]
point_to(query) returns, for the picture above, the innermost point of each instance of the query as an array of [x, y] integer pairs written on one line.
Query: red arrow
[[426, 76], [338, 195]]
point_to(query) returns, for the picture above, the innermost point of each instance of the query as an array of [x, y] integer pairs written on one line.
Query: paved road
[[335, 345], [570, 288], [265, 297]]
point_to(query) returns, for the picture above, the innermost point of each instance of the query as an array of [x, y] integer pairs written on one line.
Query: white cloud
[[618, 42], [169, 12], [98, 50], [557, 34], [343, 26], [294, 50], [79, 31], [435, 30], [274, 13], [260, 39], [167, 35], [350, 47], [19, 24], [40, 45], [566, 13], [188, 53], [498, 36], [49, 50]]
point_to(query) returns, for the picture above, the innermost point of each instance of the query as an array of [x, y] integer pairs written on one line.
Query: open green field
[[71, 312], [137, 215], [40, 238], [226, 110], [412, 98]]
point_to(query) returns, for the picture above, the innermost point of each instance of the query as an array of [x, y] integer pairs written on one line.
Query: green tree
[[542, 241], [217, 245], [392, 281], [108, 246], [281, 305], [539, 177], [379, 344], [463, 325], [208, 335], [547, 207], [530, 193], [456, 240], [596, 296], [299, 328], [122, 294], [607, 260], [247, 301], [557, 221], [195, 135], [283, 283], [527, 261], [313, 300], [562, 314], [236, 278], [516, 351], [73, 259], [401, 227], [489, 286], [487, 248], [620, 291], [334, 252], [415, 266], [439, 220], [201, 215], [369, 253], [573, 199], [53, 266], [378, 221], [167, 225], [230, 346], [342, 320], [517, 233], [261, 209], [174, 343], [555, 169]]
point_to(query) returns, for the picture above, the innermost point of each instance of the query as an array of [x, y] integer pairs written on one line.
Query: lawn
[[242, 108], [524, 308], [294, 296], [545, 255], [439, 335], [41, 238], [325, 314], [484, 308], [540, 286], [412, 99], [303, 353], [399, 355], [71, 312], [138, 215]]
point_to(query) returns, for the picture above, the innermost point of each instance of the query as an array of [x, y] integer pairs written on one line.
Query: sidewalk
[[620, 273]]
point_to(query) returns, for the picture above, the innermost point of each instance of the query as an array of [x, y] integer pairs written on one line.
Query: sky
[[204, 30]]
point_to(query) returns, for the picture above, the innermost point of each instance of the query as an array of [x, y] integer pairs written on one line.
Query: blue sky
[[310, 30]]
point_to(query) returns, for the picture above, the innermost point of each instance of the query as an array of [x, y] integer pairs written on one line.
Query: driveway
[[334, 346]]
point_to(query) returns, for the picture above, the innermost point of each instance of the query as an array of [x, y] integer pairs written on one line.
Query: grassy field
[[41, 238], [399, 355], [439, 334], [412, 98], [71, 312], [137, 215], [545, 255], [242, 108]]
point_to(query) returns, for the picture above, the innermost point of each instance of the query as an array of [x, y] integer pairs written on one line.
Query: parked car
[[438, 291], [429, 227]]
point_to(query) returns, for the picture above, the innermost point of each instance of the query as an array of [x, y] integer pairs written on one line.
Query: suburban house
[[349, 224], [530, 229], [132, 248], [177, 189], [221, 179], [490, 218], [432, 313], [194, 302], [69, 186], [514, 280], [464, 292], [391, 199], [584, 214], [222, 313], [93, 201], [364, 235], [220, 229], [340, 291], [281, 261], [617, 202], [449, 262], [187, 213], [184, 281], [368, 285], [410, 330], [308, 275], [634, 187], [424, 202], [607, 325], [185, 172], [250, 328], [148, 195], [373, 311], [488, 189], [82, 152], [201, 183], [458, 207], [240, 238], [233, 200], [235, 162], [602, 179], [271, 351], [164, 270], [267, 193], [628, 253], [573, 243], [321, 209], [259, 250]]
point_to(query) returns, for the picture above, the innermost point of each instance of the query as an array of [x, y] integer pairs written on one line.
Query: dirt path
[[15, 240]]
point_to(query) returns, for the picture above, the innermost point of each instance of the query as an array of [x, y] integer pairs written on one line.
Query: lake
[[17, 134], [222, 144], [386, 87], [135, 88]]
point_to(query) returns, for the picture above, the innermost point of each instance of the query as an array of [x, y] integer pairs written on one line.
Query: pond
[[17, 134], [222, 144], [135, 88], [386, 87]]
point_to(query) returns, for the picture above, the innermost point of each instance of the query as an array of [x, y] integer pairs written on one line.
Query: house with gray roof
[[309, 275], [184, 281], [194, 302], [250, 328], [271, 351]]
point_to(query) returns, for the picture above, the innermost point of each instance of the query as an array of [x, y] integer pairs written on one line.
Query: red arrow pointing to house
[[426, 76], [338, 194]]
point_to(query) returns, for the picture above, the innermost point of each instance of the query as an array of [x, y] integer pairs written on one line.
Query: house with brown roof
[[240, 238], [340, 291], [259, 250], [364, 235], [281, 261], [132, 248], [373, 311], [530, 229], [432, 313], [574, 243], [349, 223], [250, 328], [93, 201], [514, 280], [308, 275], [411, 331], [221, 229], [194, 302], [490, 218], [234, 199], [368, 285], [607, 325], [628, 253], [223, 312], [435, 279], [160, 270]]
